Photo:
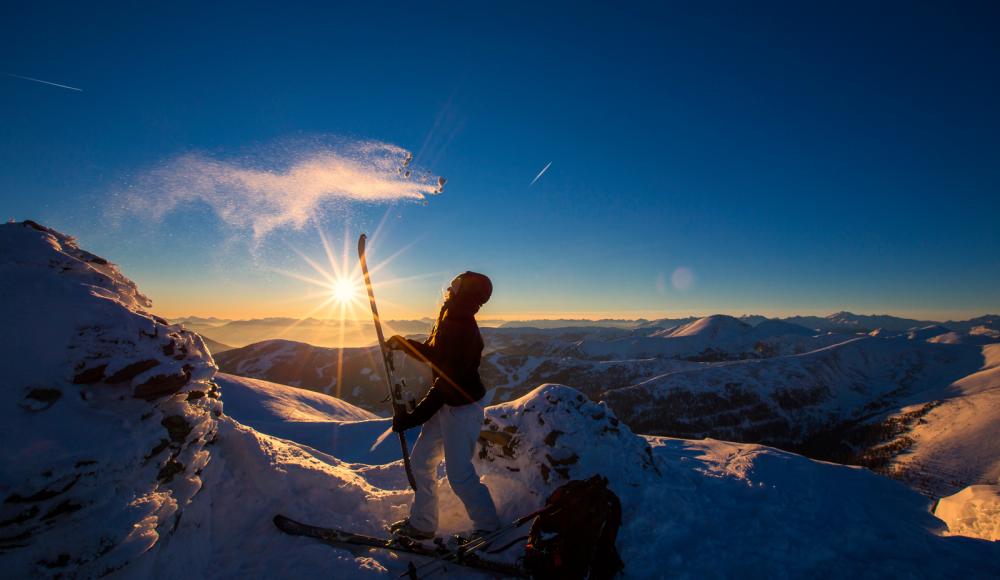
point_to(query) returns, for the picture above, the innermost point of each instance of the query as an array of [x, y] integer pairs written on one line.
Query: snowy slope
[[831, 402], [324, 423], [956, 443], [252, 401], [355, 375], [791, 400], [140, 471], [692, 509], [215, 347]]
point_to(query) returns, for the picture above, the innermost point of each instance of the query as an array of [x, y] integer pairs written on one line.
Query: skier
[[450, 412]]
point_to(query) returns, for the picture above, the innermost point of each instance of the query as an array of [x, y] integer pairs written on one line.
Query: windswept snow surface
[[973, 512], [255, 401], [325, 424]]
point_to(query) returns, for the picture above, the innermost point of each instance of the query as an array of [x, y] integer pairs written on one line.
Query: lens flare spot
[[682, 278]]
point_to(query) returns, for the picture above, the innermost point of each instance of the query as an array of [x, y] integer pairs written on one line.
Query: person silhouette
[[450, 413]]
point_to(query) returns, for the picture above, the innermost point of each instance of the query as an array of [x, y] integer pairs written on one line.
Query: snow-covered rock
[[554, 434], [106, 411], [972, 512]]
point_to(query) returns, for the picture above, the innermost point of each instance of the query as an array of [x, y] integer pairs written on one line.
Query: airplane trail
[[44, 82], [540, 173]]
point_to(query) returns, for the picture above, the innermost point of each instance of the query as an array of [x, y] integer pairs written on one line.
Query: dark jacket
[[453, 351]]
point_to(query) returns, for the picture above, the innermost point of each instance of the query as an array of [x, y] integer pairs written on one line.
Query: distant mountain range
[[845, 393], [315, 331], [355, 333]]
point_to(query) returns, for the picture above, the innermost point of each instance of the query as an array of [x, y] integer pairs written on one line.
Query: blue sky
[[795, 159]]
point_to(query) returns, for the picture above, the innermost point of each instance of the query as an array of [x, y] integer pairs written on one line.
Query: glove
[[402, 421], [396, 342]]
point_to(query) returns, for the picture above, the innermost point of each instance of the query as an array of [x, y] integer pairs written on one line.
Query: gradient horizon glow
[[698, 158]]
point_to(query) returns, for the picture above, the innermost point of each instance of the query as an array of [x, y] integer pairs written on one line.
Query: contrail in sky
[[44, 82], [540, 173]]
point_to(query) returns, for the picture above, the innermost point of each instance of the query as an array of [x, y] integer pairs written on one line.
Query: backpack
[[573, 537]]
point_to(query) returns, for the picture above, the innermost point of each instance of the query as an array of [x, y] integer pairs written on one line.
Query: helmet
[[474, 287]]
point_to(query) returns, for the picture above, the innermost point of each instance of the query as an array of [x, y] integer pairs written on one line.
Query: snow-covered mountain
[[984, 325], [320, 332], [712, 338], [354, 374], [831, 396], [955, 441], [854, 401], [215, 347], [125, 453], [849, 322]]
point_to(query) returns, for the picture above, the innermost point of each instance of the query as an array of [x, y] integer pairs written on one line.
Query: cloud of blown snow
[[262, 195]]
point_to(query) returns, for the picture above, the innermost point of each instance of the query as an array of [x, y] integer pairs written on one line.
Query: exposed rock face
[[106, 411]]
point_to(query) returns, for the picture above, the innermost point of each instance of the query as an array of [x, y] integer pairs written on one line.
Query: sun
[[339, 290], [344, 291]]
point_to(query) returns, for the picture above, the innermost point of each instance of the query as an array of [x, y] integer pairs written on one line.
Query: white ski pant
[[451, 432]]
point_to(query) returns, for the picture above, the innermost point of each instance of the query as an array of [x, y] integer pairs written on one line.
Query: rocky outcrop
[[555, 434], [107, 411]]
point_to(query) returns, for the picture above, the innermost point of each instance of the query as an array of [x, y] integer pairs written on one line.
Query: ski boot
[[403, 529]]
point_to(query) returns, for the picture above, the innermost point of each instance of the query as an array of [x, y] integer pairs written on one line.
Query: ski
[[395, 387], [437, 552]]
